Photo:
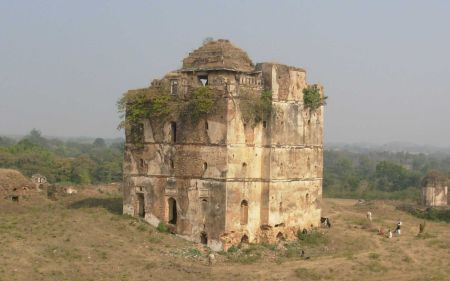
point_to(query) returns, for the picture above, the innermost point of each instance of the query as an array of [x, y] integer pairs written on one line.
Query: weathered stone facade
[[222, 181], [434, 189]]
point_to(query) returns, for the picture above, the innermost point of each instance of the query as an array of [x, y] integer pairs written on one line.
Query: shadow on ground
[[113, 205]]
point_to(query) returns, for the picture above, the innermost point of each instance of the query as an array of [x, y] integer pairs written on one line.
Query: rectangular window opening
[[141, 205], [174, 87], [173, 131]]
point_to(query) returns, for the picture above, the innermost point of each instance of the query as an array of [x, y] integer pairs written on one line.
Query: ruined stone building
[[14, 185], [434, 189], [225, 179], [39, 180]]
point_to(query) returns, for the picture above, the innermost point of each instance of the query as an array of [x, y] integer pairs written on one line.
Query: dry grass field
[[85, 237]]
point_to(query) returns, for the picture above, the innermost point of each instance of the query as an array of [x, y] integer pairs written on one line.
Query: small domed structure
[[434, 189]]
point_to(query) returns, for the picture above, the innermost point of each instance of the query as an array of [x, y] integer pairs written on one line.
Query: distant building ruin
[[14, 185], [227, 178], [435, 189], [39, 180]]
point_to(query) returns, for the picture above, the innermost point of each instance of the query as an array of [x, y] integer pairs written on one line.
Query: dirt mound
[[12, 181]]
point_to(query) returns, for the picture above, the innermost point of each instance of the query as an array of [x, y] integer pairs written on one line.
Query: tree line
[[63, 161], [376, 174], [347, 173]]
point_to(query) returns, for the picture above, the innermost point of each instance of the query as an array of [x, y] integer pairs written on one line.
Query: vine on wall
[[202, 102], [157, 103], [140, 104], [254, 108]]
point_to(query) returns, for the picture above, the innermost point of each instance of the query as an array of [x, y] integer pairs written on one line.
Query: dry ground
[[85, 237]]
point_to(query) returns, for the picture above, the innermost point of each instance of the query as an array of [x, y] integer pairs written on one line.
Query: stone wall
[[231, 181], [276, 166], [434, 196]]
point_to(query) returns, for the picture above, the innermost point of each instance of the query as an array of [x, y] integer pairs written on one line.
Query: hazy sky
[[385, 65]]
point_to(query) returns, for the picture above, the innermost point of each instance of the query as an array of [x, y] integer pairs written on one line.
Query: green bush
[[254, 108], [133, 107], [312, 97], [162, 105], [201, 103], [162, 227], [232, 249]]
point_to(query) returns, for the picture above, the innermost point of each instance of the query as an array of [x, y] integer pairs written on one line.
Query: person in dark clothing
[[398, 228]]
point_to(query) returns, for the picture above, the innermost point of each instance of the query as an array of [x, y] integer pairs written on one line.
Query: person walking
[[398, 228]]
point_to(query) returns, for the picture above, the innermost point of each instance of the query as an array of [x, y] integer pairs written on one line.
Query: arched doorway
[[204, 238], [244, 239], [280, 236], [172, 211], [141, 205]]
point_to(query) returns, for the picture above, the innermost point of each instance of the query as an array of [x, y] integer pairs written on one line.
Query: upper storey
[[218, 55]]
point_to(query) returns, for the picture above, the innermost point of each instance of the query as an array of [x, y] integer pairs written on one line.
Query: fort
[[250, 169]]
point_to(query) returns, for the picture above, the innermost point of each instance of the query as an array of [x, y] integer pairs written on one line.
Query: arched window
[[244, 212], [204, 206], [307, 199], [172, 210], [205, 166]]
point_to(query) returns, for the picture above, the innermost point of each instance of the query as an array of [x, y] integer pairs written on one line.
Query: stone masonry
[[222, 181], [434, 189]]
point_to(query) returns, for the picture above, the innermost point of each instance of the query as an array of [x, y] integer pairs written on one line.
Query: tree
[[99, 142], [4, 141], [35, 137], [312, 97], [81, 170]]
